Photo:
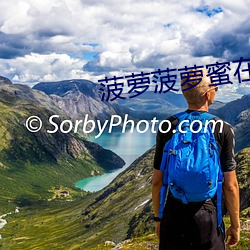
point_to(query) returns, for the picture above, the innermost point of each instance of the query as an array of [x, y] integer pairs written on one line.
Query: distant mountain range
[[79, 97], [231, 111]]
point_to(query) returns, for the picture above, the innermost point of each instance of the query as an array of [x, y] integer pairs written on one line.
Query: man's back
[[185, 225], [194, 225]]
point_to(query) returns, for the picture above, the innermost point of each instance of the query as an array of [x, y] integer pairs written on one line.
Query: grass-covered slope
[[121, 211], [87, 221], [32, 163]]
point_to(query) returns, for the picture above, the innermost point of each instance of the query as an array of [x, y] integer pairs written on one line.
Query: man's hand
[[157, 228], [156, 187], [233, 236], [232, 200]]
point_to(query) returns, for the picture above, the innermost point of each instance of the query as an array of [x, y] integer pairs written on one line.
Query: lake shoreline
[[129, 146]]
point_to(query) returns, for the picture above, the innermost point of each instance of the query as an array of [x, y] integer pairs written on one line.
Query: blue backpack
[[191, 162]]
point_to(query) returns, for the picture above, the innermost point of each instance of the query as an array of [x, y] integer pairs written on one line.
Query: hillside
[[32, 163], [4, 80], [123, 210], [79, 97], [106, 215]]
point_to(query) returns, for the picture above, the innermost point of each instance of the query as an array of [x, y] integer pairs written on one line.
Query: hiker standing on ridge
[[188, 221]]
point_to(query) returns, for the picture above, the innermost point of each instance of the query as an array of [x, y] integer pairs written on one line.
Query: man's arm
[[156, 187], [232, 200]]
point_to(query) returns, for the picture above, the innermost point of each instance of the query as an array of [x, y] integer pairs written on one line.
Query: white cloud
[[47, 38], [35, 68]]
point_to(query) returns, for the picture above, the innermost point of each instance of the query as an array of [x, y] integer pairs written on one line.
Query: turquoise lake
[[129, 146]]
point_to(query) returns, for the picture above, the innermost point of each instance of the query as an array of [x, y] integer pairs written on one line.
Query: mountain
[[161, 105], [152, 104], [237, 114], [232, 110], [32, 163], [33, 166], [216, 105], [4, 80], [78, 98]]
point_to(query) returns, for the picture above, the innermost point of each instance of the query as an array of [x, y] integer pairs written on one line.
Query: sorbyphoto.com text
[[88, 126]]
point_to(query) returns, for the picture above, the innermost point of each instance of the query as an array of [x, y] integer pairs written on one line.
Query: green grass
[[51, 225], [244, 243], [31, 164], [31, 183]]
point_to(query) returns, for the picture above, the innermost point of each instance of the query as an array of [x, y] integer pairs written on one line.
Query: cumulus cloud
[[35, 68], [125, 36]]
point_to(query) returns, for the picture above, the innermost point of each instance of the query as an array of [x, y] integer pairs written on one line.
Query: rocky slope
[[232, 110], [237, 114], [79, 97]]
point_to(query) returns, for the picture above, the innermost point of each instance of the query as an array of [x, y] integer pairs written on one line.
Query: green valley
[[121, 213], [32, 163]]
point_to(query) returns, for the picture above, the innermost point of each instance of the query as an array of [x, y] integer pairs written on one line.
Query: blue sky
[[54, 40]]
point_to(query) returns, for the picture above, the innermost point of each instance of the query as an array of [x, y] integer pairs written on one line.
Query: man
[[194, 225]]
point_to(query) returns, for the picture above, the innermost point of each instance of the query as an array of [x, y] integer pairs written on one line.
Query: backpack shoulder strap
[[208, 116], [182, 115]]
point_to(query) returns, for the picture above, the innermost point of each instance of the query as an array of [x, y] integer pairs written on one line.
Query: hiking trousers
[[190, 227]]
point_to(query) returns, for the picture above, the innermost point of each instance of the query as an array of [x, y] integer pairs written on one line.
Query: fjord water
[[129, 146]]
